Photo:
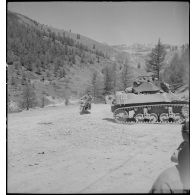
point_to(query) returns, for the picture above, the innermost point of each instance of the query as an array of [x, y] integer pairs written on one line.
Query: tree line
[[40, 50], [176, 72], [118, 76]]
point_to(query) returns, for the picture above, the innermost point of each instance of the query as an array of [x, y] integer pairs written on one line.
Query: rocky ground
[[57, 150]]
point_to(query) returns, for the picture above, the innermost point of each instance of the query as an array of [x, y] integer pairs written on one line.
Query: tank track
[[152, 113]]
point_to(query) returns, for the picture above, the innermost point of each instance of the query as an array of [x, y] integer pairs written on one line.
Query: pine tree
[[173, 75], [156, 60], [38, 66], [67, 91], [185, 61], [107, 81], [53, 36], [66, 49], [23, 80], [126, 75], [114, 77], [28, 97], [43, 99], [177, 73], [97, 86], [94, 85]]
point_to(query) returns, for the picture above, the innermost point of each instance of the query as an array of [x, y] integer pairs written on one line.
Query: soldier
[[186, 138], [176, 179], [87, 99]]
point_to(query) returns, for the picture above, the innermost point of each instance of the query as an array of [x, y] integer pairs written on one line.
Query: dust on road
[[57, 150]]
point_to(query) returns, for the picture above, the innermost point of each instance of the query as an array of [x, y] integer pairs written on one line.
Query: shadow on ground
[[113, 120], [109, 119], [85, 112]]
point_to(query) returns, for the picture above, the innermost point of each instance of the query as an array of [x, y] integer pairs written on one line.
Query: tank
[[148, 101]]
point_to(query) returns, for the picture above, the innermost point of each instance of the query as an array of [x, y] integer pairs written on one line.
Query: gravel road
[[57, 150]]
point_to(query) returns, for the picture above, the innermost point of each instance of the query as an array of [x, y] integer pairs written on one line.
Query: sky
[[114, 22]]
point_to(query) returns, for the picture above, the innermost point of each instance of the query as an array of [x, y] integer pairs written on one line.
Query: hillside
[[61, 63], [90, 43], [56, 65]]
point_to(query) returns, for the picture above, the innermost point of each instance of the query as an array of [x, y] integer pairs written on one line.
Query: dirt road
[[57, 150]]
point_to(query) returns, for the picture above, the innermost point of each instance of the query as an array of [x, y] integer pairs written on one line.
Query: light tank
[[148, 101]]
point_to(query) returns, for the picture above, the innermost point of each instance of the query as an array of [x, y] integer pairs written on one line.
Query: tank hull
[[151, 112]]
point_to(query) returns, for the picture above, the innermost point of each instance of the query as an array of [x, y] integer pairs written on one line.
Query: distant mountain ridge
[[139, 52], [105, 48]]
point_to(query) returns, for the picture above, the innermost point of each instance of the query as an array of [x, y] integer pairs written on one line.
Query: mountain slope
[[55, 62], [107, 50]]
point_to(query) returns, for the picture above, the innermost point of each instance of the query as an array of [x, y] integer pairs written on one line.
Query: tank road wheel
[[178, 118], [164, 118], [121, 116], [153, 118], [139, 118]]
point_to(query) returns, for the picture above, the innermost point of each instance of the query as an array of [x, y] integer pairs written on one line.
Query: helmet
[[88, 92]]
